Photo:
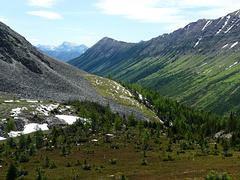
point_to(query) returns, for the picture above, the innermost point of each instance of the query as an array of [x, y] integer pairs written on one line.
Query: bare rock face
[[25, 72], [54, 121]]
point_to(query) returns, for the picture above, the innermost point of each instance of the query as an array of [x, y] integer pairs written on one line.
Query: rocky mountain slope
[[197, 65], [25, 72], [65, 52]]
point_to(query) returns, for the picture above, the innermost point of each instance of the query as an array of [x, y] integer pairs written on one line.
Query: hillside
[[65, 52], [25, 72], [197, 65]]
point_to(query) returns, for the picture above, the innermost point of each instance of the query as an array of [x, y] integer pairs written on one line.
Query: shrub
[[227, 154], [53, 166], [169, 158], [86, 167], [12, 172], [214, 175], [113, 161], [68, 164], [78, 163], [114, 146], [23, 158], [144, 162], [23, 171]]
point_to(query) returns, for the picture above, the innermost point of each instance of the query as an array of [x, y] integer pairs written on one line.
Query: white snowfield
[[67, 118], [32, 127], [29, 128], [2, 138]]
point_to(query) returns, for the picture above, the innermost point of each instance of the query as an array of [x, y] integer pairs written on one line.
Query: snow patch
[[29, 128], [15, 112], [68, 119], [14, 133], [226, 22], [2, 138], [45, 109], [235, 90], [232, 65], [32, 127], [124, 97], [8, 101], [206, 25], [220, 20], [224, 46], [234, 44], [229, 29], [31, 101], [237, 12], [207, 71], [203, 64], [199, 39]]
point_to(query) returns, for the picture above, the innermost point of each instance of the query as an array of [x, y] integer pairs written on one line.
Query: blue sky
[[51, 22]]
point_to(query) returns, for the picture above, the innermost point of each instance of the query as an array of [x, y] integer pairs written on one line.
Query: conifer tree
[[12, 171]]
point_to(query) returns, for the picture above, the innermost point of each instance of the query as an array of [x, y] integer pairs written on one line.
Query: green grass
[[117, 92], [189, 78], [186, 165]]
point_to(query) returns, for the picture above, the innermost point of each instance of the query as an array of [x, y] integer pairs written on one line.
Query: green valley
[[197, 65]]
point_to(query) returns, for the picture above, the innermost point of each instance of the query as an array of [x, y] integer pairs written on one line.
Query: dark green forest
[[183, 133]]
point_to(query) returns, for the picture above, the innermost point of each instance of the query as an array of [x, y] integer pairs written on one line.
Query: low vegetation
[[110, 146]]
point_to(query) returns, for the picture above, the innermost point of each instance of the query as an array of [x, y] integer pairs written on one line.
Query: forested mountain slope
[[197, 65]]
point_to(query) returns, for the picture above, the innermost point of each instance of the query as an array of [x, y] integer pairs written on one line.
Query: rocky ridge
[[28, 73]]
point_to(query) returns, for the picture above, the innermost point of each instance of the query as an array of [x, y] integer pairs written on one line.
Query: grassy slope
[[204, 82], [117, 92]]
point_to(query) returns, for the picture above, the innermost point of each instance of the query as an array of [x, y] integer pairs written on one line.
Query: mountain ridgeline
[[197, 65], [26, 72], [65, 52]]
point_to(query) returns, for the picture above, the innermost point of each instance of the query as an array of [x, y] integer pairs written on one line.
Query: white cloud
[[168, 11], [42, 3], [2, 19], [46, 14]]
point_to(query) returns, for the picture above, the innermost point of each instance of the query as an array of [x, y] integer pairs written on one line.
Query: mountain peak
[[65, 52], [65, 43]]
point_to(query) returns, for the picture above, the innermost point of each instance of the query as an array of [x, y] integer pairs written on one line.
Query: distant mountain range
[[65, 52], [197, 65]]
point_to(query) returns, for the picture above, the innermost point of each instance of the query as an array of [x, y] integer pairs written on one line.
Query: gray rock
[[54, 121], [28, 73]]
